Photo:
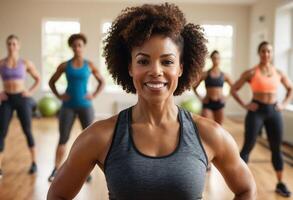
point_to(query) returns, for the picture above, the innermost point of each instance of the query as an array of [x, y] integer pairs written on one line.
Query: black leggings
[[268, 116], [67, 117], [24, 112]]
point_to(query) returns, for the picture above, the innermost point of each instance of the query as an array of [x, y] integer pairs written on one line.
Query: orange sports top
[[265, 84]]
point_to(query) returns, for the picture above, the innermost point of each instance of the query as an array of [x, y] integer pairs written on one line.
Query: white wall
[[283, 34], [283, 42], [25, 20], [266, 9], [284, 59], [265, 29], [277, 27]]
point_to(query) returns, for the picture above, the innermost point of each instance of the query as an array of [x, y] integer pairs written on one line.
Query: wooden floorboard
[[18, 185]]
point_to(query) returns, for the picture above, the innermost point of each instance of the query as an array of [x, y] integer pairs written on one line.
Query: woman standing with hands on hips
[[264, 109], [13, 71], [76, 100], [214, 101]]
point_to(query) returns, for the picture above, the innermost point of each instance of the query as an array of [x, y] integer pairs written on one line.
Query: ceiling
[[243, 2]]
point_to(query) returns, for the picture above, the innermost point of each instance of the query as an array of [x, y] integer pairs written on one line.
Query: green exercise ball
[[192, 105], [48, 106]]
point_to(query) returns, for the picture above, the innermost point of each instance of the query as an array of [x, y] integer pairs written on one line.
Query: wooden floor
[[18, 185]]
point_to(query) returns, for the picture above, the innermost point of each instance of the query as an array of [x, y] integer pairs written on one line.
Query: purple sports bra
[[18, 72]]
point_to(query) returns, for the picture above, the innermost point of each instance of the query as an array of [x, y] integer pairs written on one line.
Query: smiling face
[[266, 53], [155, 68]]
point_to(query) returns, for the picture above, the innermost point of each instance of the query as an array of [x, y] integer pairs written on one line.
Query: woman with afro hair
[[154, 149]]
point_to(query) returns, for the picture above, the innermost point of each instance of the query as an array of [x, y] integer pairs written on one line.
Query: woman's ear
[[181, 70], [130, 70]]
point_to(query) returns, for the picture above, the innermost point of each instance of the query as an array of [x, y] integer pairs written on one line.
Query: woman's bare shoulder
[[212, 135], [209, 130], [101, 130], [2, 62], [95, 141]]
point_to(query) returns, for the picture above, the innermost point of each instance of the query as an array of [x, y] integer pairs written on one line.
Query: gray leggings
[[67, 117]]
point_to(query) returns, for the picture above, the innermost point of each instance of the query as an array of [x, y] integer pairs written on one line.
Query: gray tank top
[[178, 176]]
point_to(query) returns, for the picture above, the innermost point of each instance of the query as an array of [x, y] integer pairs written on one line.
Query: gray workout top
[[178, 176]]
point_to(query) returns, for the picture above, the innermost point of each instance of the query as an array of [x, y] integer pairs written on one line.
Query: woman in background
[[77, 101], [15, 96], [214, 102], [264, 109]]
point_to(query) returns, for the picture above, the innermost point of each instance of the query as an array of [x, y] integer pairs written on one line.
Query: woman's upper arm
[[32, 70], [227, 160], [245, 77], [89, 149], [58, 73], [223, 152], [202, 77], [228, 79], [285, 80], [2, 62], [96, 72]]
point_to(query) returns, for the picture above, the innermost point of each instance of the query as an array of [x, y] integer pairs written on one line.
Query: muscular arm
[[89, 149], [288, 85], [55, 77], [31, 69], [230, 165], [98, 77], [222, 151], [245, 77], [203, 77], [229, 80]]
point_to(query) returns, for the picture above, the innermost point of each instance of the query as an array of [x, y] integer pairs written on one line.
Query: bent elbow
[[250, 193], [51, 195]]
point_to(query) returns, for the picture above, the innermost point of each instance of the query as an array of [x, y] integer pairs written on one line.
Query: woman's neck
[[13, 56], [77, 61], [77, 58], [265, 65], [155, 113], [215, 67]]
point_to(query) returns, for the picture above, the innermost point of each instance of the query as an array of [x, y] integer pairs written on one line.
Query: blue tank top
[[77, 80], [131, 175]]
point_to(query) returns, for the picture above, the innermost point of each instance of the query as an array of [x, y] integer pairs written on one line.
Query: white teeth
[[155, 85]]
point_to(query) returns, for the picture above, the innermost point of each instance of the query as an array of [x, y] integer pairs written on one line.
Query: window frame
[[234, 33], [44, 84], [109, 88]]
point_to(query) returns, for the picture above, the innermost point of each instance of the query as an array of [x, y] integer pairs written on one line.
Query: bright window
[[55, 49], [220, 37], [110, 85], [290, 50], [282, 46]]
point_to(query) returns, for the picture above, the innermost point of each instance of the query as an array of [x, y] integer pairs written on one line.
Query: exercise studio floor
[[18, 185]]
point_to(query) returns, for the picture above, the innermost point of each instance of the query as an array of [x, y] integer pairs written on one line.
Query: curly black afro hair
[[135, 25], [76, 36]]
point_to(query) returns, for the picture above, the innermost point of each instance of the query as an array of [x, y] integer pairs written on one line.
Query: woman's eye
[[167, 62], [142, 62]]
